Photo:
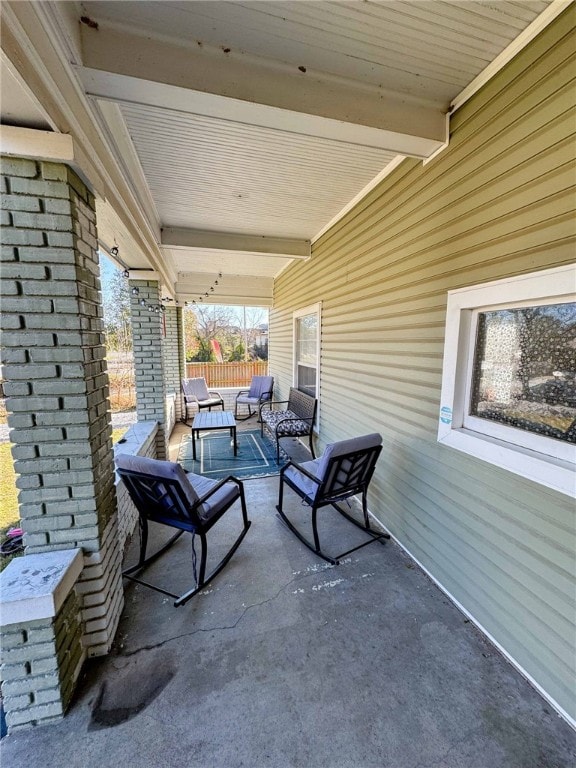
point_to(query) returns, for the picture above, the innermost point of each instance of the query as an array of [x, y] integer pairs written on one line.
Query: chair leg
[[203, 580], [315, 545], [312, 547], [143, 526], [203, 554], [243, 505], [144, 561], [243, 418], [311, 446], [315, 529]]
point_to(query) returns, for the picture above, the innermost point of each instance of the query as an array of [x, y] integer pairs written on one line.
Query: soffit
[[18, 106], [219, 175], [193, 165]]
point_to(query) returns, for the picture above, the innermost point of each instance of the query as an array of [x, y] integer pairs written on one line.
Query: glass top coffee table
[[208, 420]]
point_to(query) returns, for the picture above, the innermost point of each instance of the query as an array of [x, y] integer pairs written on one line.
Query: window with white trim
[[307, 349], [509, 376]]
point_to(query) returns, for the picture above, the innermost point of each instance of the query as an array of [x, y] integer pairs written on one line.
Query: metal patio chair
[[164, 493], [261, 388], [344, 470], [196, 393]]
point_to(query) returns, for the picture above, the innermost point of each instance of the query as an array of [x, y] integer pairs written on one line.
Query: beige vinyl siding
[[498, 202]]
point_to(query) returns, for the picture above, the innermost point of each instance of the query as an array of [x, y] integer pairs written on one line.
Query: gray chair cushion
[[193, 486], [307, 486], [247, 400]]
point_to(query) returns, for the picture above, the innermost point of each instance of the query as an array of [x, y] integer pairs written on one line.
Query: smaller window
[[307, 350], [509, 379]]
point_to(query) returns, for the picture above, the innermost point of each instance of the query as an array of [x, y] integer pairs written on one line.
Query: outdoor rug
[[215, 455]]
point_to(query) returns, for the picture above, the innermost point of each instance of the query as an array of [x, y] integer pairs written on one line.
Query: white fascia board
[[7, 68], [127, 67], [392, 165], [176, 237], [207, 69], [114, 126]]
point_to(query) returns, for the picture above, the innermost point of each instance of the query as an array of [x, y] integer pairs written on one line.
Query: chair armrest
[[301, 470], [270, 403], [213, 392], [276, 402], [242, 392]]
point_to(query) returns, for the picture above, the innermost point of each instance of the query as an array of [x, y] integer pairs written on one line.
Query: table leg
[[193, 445], [233, 430]]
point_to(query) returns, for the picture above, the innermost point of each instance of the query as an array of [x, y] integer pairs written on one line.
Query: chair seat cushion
[[307, 486], [248, 400], [276, 421], [209, 401], [221, 498]]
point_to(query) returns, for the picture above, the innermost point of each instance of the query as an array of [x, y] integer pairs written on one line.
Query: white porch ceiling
[[244, 128]]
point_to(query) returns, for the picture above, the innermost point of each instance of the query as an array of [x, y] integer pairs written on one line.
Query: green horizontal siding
[[498, 202]]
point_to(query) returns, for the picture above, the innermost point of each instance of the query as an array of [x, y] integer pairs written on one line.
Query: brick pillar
[[148, 341], [174, 363], [56, 381]]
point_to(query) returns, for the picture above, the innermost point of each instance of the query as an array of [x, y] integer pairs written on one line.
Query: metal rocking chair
[[261, 388], [163, 493], [344, 470], [196, 396]]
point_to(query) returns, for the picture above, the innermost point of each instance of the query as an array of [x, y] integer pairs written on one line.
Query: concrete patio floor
[[287, 662]]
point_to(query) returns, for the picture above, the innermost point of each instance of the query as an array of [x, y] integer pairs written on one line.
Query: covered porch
[[353, 190]]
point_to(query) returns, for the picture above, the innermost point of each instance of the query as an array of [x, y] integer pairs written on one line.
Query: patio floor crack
[[161, 643], [299, 576]]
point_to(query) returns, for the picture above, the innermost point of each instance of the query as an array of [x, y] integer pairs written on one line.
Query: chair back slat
[[160, 499], [348, 474]]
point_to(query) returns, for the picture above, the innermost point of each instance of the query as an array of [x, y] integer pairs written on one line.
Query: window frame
[[538, 458], [311, 309]]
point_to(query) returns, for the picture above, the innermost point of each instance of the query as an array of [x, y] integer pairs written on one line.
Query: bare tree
[[117, 317], [222, 324]]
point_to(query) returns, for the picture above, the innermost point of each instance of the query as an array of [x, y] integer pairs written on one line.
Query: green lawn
[[8, 498]]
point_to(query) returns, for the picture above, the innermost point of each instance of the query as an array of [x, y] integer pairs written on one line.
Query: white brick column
[[149, 368], [56, 381]]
